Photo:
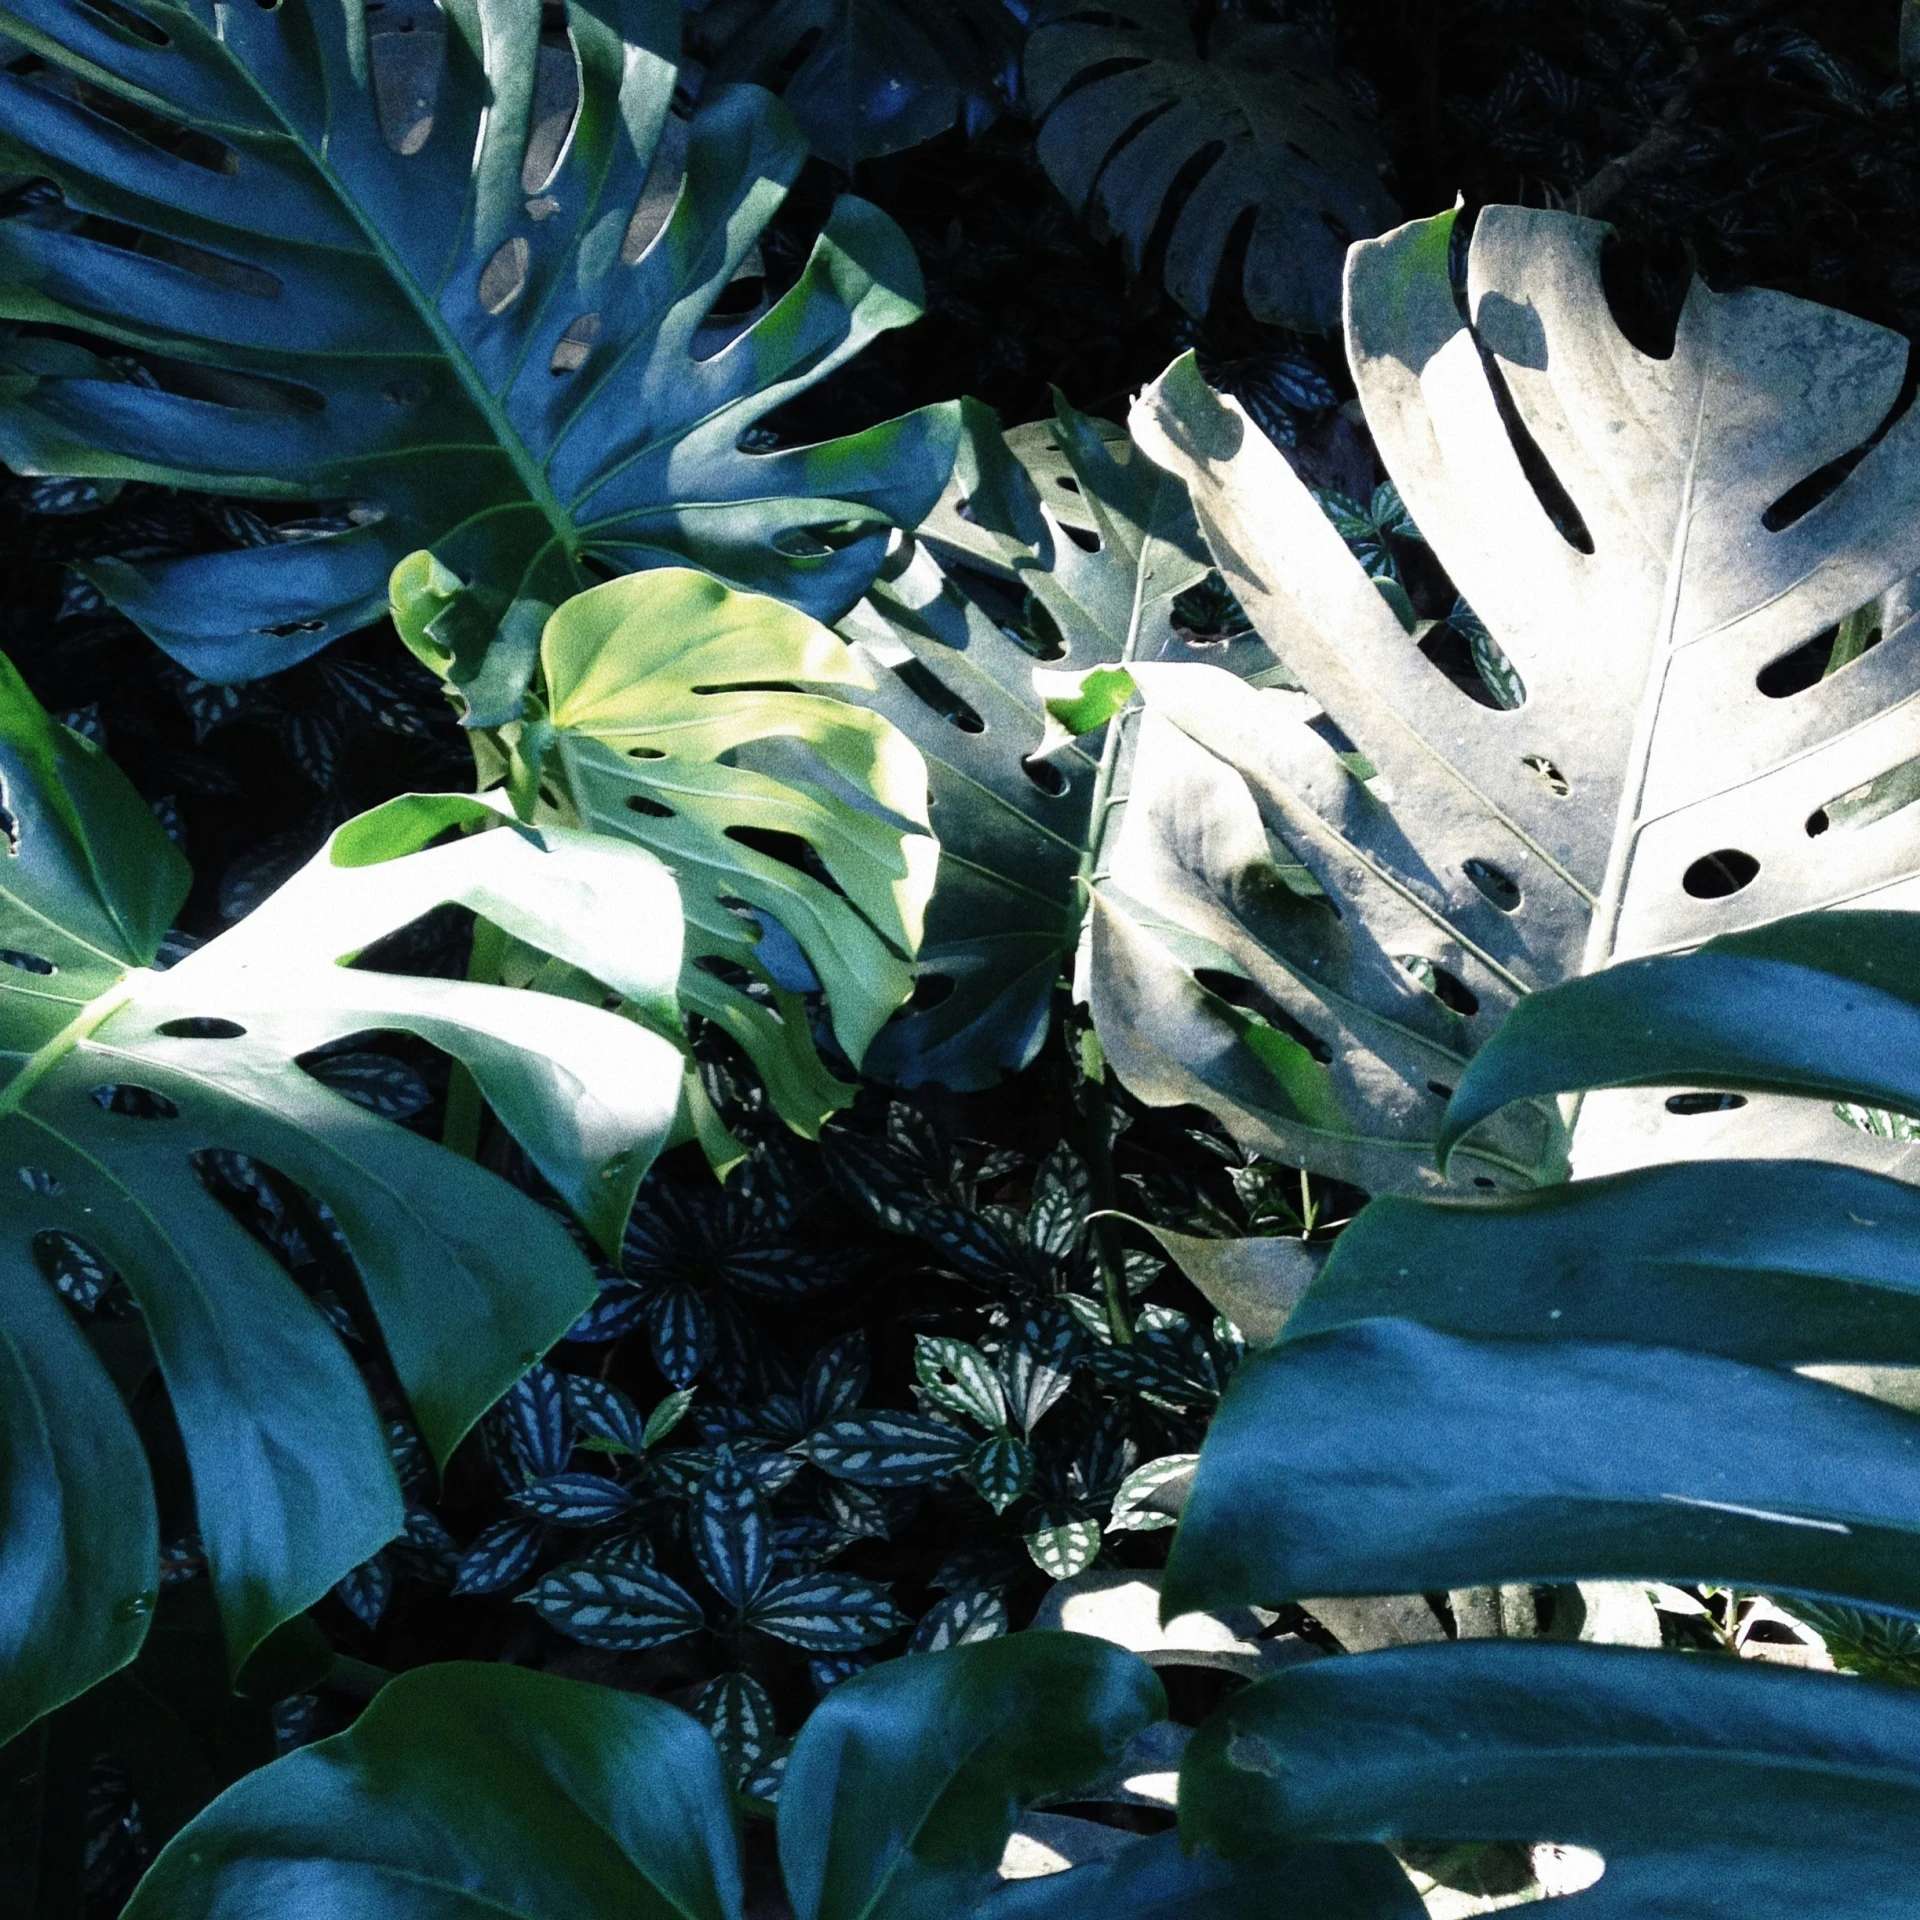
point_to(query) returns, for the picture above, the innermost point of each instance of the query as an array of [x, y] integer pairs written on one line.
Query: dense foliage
[[957, 958]]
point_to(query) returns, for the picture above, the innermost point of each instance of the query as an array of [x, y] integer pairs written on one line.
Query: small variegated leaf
[[807, 1541], [826, 1672], [535, 1412], [666, 1416], [836, 1378], [573, 1499], [676, 1473], [732, 1540], [854, 1511], [426, 1550], [620, 1308], [366, 1590], [1036, 1363], [1132, 1511], [888, 1449], [1108, 1454], [627, 1607], [608, 1419], [1060, 1202], [500, 1557], [1002, 1469], [680, 1330], [972, 1614], [827, 1612], [959, 1379], [736, 1711], [764, 1785], [1061, 1552]]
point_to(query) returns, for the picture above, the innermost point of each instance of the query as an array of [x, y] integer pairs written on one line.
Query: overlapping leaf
[[1637, 548], [118, 1079], [454, 275], [1066, 534], [701, 724], [1150, 127], [876, 76], [1714, 1788]]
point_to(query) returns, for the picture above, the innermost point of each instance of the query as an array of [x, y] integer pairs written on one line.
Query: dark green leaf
[[500, 1557], [904, 1785], [736, 1711], [1716, 1788], [471, 1789], [959, 1620], [1825, 1005], [957, 1378], [1769, 1261], [1383, 1457], [610, 1419], [1002, 1468]]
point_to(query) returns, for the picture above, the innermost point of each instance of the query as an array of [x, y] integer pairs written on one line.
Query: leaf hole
[[1448, 988], [1499, 887], [38, 1180], [1692, 1103], [406, 392], [26, 962], [1439, 1090], [1555, 501], [1716, 875], [1083, 537], [788, 848], [1045, 775], [1809, 663], [646, 804], [1871, 800], [934, 692], [134, 1102], [286, 627], [202, 1027], [504, 278], [80, 1272], [571, 350], [1546, 772], [645, 753]]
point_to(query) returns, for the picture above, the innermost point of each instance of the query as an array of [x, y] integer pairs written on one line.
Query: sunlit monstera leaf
[[454, 277], [119, 1082], [1058, 548], [1695, 571], [713, 727]]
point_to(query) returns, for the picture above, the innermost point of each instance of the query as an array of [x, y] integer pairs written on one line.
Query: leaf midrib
[[530, 473]]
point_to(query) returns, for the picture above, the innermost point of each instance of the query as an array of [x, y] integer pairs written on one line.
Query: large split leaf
[[715, 729], [1064, 534], [1715, 1788], [1151, 127], [1631, 531], [454, 277], [514, 1793], [875, 76], [119, 1079]]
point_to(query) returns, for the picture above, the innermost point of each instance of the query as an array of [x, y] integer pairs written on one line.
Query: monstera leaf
[[455, 278], [497, 1789], [878, 76], [1708, 1787], [704, 725], [1696, 1372], [1667, 555], [1150, 127], [1065, 534], [120, 1082]]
